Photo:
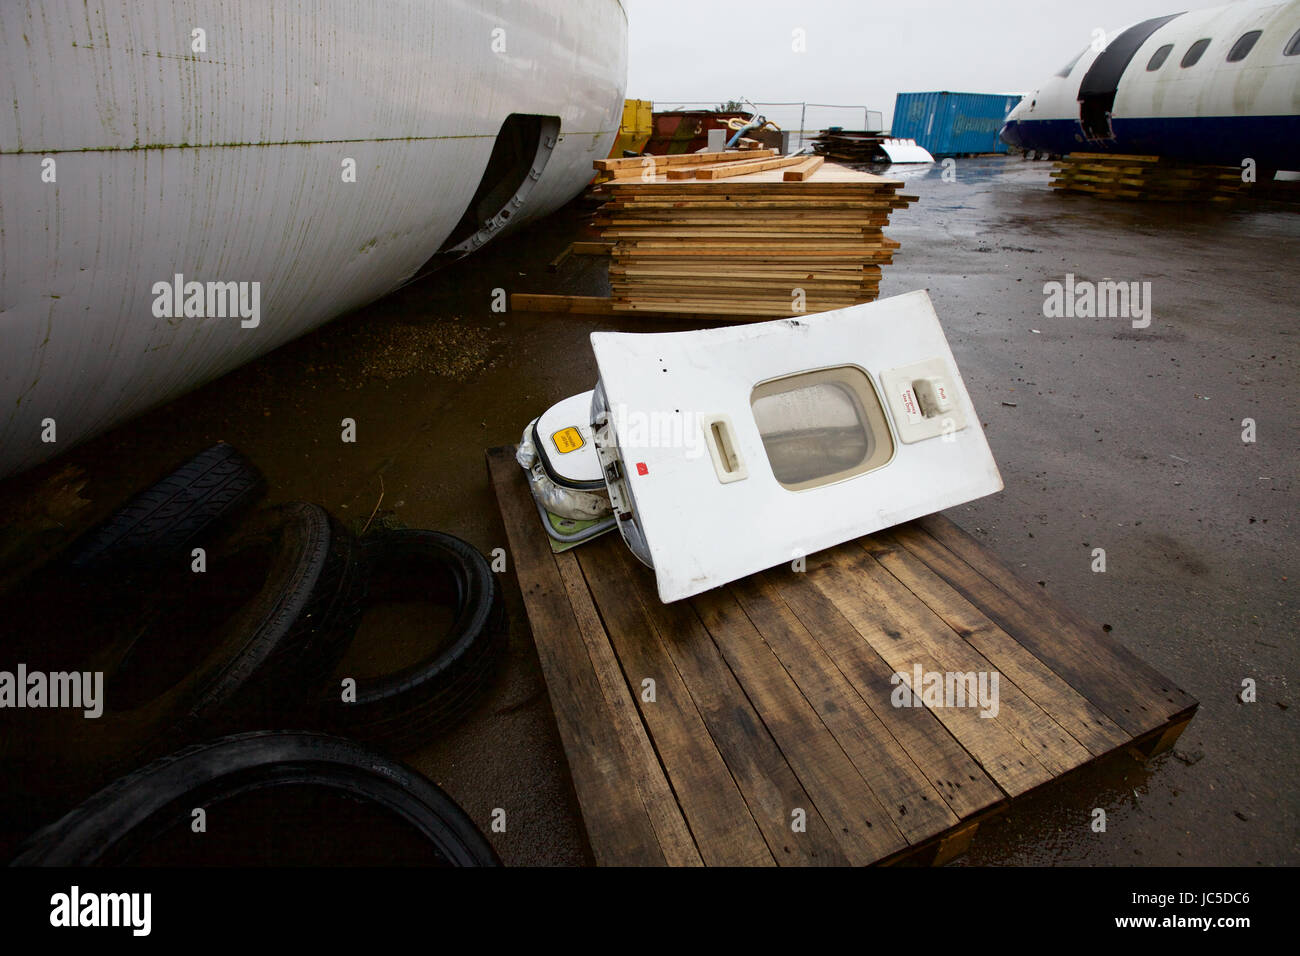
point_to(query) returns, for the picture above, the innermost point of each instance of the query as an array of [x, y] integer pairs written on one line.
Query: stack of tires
[[214, 625]]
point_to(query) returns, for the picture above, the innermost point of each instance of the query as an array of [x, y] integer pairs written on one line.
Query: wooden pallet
[[1150, 178], [772, 696]]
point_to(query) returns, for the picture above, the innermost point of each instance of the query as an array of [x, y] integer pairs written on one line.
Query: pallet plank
[[728, 827], [915, 805], [904, 638], [960, 780], [1074, 712], [843, 798], [1124, 687], [620, 829], [771, 787], [674, 835]]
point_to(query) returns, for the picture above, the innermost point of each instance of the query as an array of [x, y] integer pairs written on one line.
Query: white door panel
[[850, 447]]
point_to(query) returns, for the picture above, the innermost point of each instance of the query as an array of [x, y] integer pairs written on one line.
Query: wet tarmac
[[1108, 436]]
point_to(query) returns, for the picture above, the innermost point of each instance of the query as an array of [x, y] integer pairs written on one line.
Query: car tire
[[183, 508], [404, 709], [130, 816], [235, 648]]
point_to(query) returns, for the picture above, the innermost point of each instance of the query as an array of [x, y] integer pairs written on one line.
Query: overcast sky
[[861, 52]]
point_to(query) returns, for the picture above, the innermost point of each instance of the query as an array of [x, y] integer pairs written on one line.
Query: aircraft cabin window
[[1293, 45], [1242, 47], [1158, 58], [1194, 53]]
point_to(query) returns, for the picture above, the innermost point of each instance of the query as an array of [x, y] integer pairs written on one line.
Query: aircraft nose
[[1010, 134]]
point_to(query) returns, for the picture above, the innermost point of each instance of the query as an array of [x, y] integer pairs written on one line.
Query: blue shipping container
[[953, 124]]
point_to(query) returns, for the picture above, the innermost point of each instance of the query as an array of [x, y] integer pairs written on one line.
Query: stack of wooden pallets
[[767, 236], [1115, 176], [850, 146]]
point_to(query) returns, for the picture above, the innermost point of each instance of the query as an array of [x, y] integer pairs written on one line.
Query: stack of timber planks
[[1117, 176], [772, 237], [645, 167]]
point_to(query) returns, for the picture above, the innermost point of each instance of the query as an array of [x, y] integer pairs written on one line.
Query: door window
[[821, 427]]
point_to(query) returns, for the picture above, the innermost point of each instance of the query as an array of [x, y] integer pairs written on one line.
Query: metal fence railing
[[804, 120]]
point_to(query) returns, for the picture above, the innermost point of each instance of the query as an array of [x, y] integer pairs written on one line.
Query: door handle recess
[[720, 437]]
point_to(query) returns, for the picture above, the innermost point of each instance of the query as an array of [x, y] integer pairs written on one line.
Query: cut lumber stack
[[791, 235], [1117, 176], [647, 166]]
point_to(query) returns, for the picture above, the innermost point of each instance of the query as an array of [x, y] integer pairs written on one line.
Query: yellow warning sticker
[[567, 440]]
